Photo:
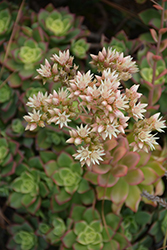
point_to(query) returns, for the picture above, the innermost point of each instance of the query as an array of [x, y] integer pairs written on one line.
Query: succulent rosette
[[6, 21], [60, 25], [10, 156], [88, 233], [67, 175], [31, 186], [79, 48], [125, 174], [24, 236], [52, 230], [27, 52]]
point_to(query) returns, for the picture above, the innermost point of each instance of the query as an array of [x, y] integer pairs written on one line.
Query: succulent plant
[[10, 155], [26, 53], [67, 175], [24, 236], [60, 25], [87, 231], [7, 17], [79, 48], [122, 177]]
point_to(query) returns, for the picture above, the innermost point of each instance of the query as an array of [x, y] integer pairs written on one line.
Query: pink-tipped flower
[[45, 70], [62, 119]]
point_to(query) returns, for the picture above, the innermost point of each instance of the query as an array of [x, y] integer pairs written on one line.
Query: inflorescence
[[99, 101]]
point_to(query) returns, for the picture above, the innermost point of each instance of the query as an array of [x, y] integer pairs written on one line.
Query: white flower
[[137, 110], [110, 131], [96, 156], [87, 156], [62, 119], [83, 131], [37, 100], [45, 70]]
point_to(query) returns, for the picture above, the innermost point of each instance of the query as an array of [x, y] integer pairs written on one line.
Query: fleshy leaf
[[149, 174], [133, 199], [134, 177], [119, 191], [90, 215], [80, 227], [64, 160], [119, 170], [130, 160], [69, 239], [107, 180]]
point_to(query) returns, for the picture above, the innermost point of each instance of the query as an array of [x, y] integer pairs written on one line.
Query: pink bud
[[70, 140], [77, 141]]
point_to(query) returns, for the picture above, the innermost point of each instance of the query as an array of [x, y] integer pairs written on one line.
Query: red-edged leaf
[[107, 180], [150, 175], [154, 35], [130, 159], [163, 45], [118, 154], [110, 144], [133, 199], [119, 191], [101, 169], [103, 193], [119, 170], [92, 177], [162, 30], [134, 177], [159, 187], [158, 7]]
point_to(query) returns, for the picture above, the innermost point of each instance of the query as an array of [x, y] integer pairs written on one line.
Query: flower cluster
[[99, 101], [61, 70]]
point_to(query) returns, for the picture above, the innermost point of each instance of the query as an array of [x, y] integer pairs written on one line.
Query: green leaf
[[36, 163], [80, 227], [77, 212], [96, 225], [112, 245], [149, 174], [27, 200], [142, 217], [134, 177], [64, 160], [87, 197], [121, 240], [69, 239], [92, 177], [148, 14], [107, 234], [47, 156], [35, 206], [78, 246], [14, 80], [119, 191], [113, 220], [15, 200], [50, 167], [133, 199], [63, 196], [90, 215], [95, 247], [83, 186], [107, 180], [57, 179]]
